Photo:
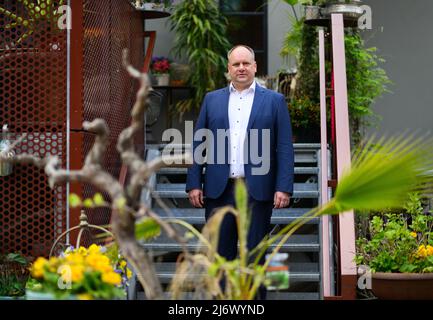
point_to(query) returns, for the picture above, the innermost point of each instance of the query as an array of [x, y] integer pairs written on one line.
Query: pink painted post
[[346, 220], [326, 277]]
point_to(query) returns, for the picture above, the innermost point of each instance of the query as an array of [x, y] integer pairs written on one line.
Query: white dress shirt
[[240, 104]]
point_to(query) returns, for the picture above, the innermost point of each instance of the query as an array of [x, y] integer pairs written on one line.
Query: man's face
[[242, 68]]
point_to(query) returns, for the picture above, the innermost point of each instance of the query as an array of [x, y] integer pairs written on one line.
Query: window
[[247, 24]]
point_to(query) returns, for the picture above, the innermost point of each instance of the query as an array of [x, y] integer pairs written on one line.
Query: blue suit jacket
[[269, 111]]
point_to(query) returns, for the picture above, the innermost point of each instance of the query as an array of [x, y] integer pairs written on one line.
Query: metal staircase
[[304, 247]]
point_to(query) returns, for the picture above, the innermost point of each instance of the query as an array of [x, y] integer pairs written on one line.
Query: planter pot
[[402, 286], [149, 6], [321, 15], [162, 79], [153, 6], [349, 11], [12, 298], [35, 295]]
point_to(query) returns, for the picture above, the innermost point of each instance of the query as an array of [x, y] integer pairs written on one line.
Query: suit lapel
[[258, 97], [226, 96]]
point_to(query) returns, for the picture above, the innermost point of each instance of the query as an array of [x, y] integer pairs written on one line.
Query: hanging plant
[[366, 80]]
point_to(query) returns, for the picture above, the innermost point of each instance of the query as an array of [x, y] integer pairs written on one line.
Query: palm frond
[[381, 177]]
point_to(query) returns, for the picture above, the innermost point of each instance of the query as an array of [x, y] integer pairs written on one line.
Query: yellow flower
[[111, 278], [52, 264], [74, 258], [77, 273], [94, 249], [99, 262], [84, 296], [38, 267], [429, 250], [422, 251], [413, 234], [128, 273], [82, 251], [123, 264]]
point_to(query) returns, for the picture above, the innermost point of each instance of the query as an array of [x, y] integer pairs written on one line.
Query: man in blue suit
[[255, 123]]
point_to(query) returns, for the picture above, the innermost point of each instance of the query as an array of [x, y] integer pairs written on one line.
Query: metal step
[[304, 152], [292, 296], [305, 276], [196, 216], [183, 171], [161, 146], [296, 243], [298, 272], [270, 296], [177, 190]]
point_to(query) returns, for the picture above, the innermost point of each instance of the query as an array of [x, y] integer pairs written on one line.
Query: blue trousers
[[260, 221]]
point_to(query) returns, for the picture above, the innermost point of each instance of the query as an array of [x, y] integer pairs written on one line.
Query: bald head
[[242, 66], [241, 46]]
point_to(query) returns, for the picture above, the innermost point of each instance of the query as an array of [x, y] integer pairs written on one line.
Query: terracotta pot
[[402, 286]]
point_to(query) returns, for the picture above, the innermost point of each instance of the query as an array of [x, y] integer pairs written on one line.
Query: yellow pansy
[[52, 264], [128, 273], [111, 278], [74, 258], [413, 234], [94, 249], [123, 264], [429, 250], [422, 251], [38, 267], [77, 273], [99, 263], [82, 251], [84, 296]]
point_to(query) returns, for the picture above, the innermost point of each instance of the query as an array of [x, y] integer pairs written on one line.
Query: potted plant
[[201, 37], [160, 68], [399, 252], [81, 273], [159, 5], [366, 80], [13, 275]]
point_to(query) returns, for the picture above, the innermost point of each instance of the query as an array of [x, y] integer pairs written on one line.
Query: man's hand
[[281, 199], [196, 197]]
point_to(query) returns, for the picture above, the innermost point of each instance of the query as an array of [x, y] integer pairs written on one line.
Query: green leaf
[[241, 196], [147, 228], [213, 270], [88, 203], [74, 200], [381, 179], [292, 2], [120, 203], [98, 199], [16, 257]]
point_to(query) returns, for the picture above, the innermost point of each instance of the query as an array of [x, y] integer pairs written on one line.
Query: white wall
[[402, 33], [278, 26]]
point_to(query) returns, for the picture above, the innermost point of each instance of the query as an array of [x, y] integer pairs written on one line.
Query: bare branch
[[100, 128], [143, 171], [144, 211]]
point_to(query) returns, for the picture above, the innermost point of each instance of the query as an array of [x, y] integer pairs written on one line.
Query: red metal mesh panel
[[109, 27], [32, 101]]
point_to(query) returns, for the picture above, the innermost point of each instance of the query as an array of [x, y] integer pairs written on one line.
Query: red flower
[[160, 65]]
